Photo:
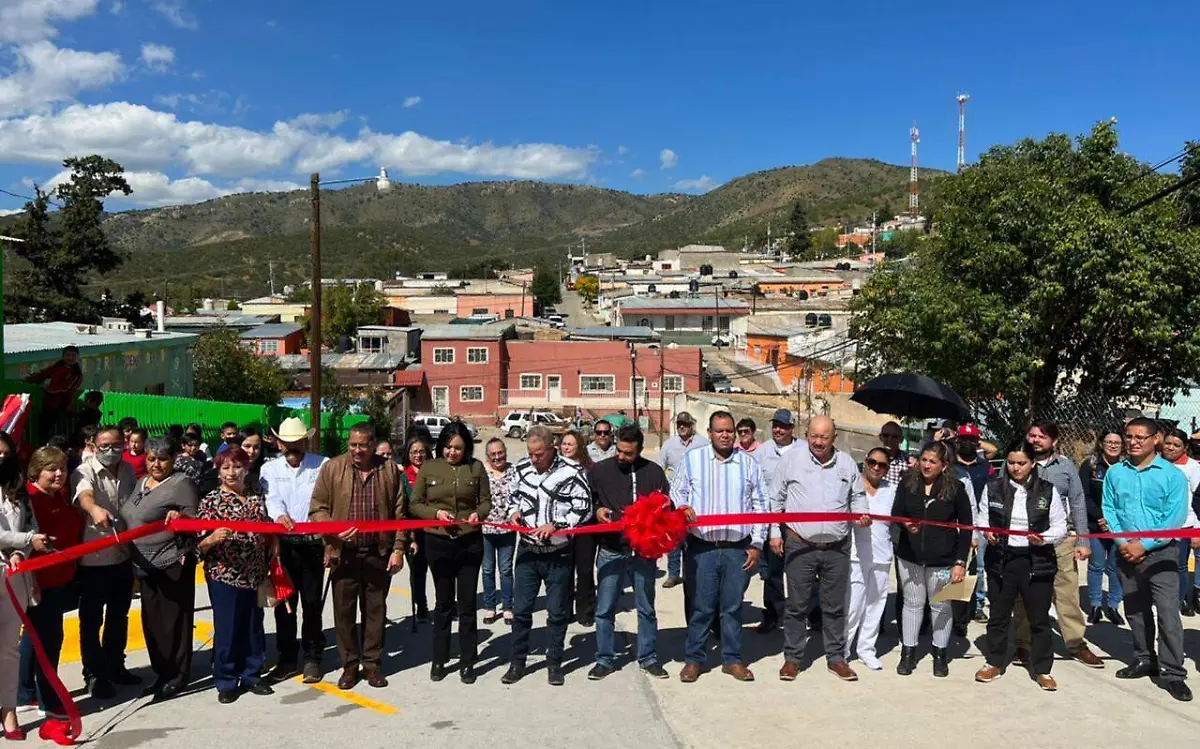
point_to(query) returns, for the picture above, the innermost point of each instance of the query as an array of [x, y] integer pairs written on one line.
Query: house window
[[723, 323], [672, 384], [268, 348], [638, 385], [645, 322], [480, 311], [477, 356], [706, 324], [372, 344], [443, 356], [531, 382], [508, 314], [470, 393], [597, 384], [670, 322]]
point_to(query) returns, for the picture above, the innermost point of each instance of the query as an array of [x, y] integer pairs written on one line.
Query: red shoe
[[17, 735]]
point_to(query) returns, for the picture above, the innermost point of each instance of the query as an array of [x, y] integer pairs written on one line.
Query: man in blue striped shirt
[[718, 480]]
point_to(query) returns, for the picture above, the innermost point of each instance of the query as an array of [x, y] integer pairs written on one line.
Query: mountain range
[[236, 244]]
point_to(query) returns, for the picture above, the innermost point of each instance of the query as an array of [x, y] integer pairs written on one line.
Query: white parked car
[[517, 423], [722, 340], [436, 423]]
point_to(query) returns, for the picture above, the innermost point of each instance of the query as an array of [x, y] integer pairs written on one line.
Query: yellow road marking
[[400, 591], [356, 699], [136, 640]]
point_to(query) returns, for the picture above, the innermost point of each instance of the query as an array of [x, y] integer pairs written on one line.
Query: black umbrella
[[911, 396]]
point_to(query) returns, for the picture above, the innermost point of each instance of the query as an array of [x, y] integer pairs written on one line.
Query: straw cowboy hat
[[292, 430]]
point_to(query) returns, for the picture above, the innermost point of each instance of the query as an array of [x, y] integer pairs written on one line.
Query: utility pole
[[914, 200], [663, 389], [271, 273], [633, 379], [314, 325], [874, 231], [962, 99], [584, 242], [522, 299]]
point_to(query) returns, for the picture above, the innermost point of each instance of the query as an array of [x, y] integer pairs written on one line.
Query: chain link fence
[[1081, 418]]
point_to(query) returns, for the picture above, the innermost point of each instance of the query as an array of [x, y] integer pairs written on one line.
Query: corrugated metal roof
[[230, 319], [273, 330], [52, 336], [700, 303], [361, 362], [458, 332], [628, 331]]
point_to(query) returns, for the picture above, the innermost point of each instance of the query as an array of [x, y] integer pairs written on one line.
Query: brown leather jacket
[[331, 500]]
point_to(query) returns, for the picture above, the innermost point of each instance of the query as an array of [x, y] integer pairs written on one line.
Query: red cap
[[968, 430]]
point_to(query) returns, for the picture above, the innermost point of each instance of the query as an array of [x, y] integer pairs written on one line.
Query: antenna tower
[[914, 198], [962, 98]]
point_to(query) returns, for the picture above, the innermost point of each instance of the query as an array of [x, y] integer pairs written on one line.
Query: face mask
[[966, 450], [231, 441], [109, 459]]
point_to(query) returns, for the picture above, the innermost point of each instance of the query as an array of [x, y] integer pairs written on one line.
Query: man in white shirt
[[670, 456], [288, 482], [816, 477], [601, 446], [101, 484]]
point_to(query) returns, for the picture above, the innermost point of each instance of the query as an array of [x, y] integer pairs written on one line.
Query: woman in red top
[[416, 452], [62, 381], [47, 496], [135, 454]]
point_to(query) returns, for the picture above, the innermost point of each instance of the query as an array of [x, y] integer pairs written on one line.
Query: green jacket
[[462, 490]]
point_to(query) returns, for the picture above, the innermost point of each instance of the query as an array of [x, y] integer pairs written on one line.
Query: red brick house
[[276, 339], [465, 367]]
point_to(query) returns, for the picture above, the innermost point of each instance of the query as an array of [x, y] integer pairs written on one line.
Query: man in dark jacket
[[616, 483]]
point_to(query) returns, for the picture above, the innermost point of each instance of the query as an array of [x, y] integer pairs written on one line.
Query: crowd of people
[[1037, 504]]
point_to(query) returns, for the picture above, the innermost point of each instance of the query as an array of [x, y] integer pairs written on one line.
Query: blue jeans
[[610, 569], [715, 581], [531, 570], [498, 554], [1103, 562], [239, 643], [675, 562], [47, 620]]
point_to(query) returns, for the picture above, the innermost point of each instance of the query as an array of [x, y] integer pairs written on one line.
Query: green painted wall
[[162, 370]]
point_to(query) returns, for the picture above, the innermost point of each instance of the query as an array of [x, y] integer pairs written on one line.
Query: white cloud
[[153, 189], [176, 12], [32, 20], [158, 57], [667, 158], [411, 102], [326, 121], [46, 74], [637, 173], [146, 139], [622, 150], [704, 183], [11, 211]]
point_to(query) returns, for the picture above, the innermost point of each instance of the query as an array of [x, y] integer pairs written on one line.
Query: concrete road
[[578, 315], [1091, 708]]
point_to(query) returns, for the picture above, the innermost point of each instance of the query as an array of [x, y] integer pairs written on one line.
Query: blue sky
[[199, 98]]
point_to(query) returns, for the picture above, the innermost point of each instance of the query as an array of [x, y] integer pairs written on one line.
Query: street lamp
[[383, 184]]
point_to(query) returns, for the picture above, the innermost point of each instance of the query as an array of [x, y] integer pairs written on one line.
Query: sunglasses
[[874, 463], [602, 432]]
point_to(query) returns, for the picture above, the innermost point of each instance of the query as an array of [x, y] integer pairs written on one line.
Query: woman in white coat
[[870, 564], [18, 538]]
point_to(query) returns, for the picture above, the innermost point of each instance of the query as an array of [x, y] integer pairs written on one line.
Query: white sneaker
[[871, 662]]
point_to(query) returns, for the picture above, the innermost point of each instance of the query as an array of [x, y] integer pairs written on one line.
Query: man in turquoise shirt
[[1146, 493]]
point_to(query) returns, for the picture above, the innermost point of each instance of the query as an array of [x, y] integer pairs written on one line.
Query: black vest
[[1000, 496]]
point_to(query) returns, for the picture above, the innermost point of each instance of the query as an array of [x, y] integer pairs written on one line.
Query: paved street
[[578, 316], [1091, 708]]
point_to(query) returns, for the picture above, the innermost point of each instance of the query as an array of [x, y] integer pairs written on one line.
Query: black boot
[[908, 660], [1185, 607], [941, 665]]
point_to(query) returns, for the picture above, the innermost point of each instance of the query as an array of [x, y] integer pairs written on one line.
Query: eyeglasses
[[874, 463], [1139, 437]]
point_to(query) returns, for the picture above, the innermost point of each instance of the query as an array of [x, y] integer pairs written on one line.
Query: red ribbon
[[51, 729], [74, 726]]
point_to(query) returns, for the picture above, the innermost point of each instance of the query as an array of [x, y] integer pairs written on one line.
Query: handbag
[[276, 587]]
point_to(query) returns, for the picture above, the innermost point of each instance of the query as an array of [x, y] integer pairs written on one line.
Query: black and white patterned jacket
[[561, 496]]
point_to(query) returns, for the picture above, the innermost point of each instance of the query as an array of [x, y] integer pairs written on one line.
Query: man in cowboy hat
[[287, 482]]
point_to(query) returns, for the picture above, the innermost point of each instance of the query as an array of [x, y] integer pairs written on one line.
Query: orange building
[[810, 285], [771, 347], [503, 306]]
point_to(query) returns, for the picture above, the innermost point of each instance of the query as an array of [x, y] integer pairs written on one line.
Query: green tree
[[52, 283], [224, 370], [376, 407], [588, 287], [901, 243], [1037, 287], [800, 240], [545, 288], [336, 401], [349, 307]]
